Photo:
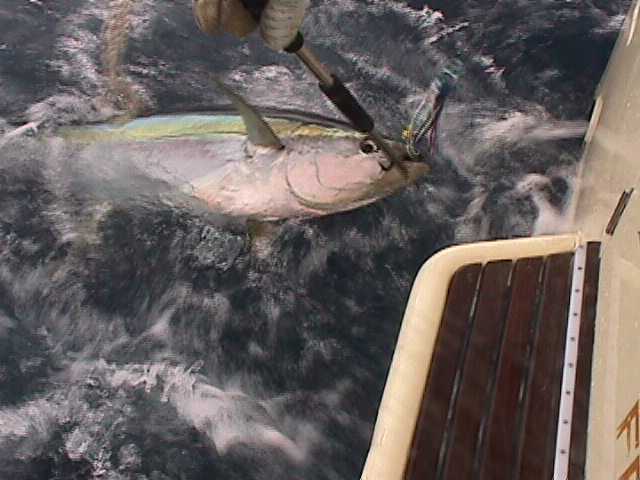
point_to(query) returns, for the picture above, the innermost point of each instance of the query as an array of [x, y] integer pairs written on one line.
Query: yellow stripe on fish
[[193, 126]]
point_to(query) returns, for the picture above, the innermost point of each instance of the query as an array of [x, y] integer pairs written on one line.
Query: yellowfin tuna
[[243, 165]]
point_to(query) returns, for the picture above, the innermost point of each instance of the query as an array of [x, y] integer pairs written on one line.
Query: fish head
[[332, 174]]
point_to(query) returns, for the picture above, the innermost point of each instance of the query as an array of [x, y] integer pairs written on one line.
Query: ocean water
[[144, 338]]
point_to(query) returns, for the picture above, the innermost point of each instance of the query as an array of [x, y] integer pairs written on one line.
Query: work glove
[[279, 22]]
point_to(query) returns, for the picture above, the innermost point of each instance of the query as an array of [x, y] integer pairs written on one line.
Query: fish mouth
[[402, 160]]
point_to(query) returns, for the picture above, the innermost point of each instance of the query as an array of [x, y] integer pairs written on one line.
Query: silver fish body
[[320, 170]]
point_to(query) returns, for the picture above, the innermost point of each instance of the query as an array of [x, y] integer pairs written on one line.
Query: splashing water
[[142, 337]]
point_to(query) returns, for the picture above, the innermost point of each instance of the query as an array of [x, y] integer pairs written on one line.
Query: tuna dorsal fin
[[258, 130]]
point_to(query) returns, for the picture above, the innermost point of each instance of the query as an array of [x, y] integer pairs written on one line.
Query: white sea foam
[[551, 219], [522, 128], [227, 417]]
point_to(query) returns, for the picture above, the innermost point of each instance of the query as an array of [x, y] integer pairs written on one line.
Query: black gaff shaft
[[342, 98]]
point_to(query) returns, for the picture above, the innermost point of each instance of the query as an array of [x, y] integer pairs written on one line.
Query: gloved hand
[[279, 22]]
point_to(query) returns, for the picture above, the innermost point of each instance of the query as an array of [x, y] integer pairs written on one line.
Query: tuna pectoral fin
[[262, 235], [258, 130]]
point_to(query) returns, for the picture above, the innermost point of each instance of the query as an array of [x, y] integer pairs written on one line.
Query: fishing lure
[[425, 119]]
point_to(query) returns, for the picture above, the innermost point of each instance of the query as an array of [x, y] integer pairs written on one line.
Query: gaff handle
[[333, 88], [344, 101]]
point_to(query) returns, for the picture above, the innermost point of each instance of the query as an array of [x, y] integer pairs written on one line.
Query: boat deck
[[491, 406]]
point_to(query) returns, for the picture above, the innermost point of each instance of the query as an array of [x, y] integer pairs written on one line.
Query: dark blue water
[[141, 339]]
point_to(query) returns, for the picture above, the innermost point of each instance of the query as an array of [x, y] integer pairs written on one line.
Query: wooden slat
[[578, 448], [446, 360], [537, 441], [491, 405], [478, 372], [500, 459]]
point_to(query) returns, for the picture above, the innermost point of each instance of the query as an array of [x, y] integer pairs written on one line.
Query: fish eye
[[368, 146]]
